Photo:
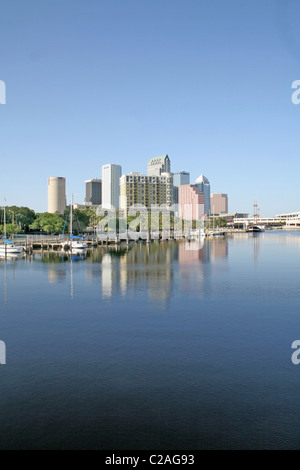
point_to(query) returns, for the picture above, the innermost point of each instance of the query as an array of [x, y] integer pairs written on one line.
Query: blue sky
[[120, 81]]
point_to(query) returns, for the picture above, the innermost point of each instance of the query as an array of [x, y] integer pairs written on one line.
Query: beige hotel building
[[146, 190]]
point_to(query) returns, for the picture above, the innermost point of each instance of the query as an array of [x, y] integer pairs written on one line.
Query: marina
[[30, 243], [56, 243]]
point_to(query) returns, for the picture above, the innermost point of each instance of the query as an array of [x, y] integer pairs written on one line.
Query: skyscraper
[[158, 165], [146, 190], [93, 192], [56, 194], [166, 182], [218, 204], [204, 186], [111, 175], [179, 179], [191, 202]]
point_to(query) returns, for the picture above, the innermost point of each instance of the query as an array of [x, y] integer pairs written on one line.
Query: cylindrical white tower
[[56, 194]]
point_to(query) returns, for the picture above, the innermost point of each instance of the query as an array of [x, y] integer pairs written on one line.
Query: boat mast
[[4, 220], [71, 218], [255, 213]]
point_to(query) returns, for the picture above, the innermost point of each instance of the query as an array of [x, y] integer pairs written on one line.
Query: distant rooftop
[[202, 179], [156, 160], [289, 214]]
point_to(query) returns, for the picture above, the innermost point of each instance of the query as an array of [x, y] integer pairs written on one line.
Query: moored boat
[[8, 247], [75, 243], [255, 228]]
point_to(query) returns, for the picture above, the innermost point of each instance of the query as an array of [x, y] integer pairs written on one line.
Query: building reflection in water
[[192, 257], [56, 266], [218, 249], [107, 278], [56, 274], [195, 258], [193, 252], [150, 267], [140, 266], [145, 267]]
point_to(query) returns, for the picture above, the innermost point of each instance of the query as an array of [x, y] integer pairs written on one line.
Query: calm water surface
[[167, 346]]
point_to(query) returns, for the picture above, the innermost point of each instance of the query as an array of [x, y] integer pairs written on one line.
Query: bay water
[[174, 345]]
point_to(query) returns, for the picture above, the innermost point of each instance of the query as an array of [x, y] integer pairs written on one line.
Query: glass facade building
[[204, 186], [179, 179]]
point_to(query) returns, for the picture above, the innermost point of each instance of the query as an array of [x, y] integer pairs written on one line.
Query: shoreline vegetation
[[23, 220]]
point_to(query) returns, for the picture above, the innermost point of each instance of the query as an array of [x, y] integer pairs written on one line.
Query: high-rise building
[[158, 165], [135, 189], [146, 190], [111, 175], [56, 194], [204, 186], [179, 179], [166, 183], [93, 192], [191, 202], [218, 204]]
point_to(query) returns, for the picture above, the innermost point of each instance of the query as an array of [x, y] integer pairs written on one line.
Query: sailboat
[[8, 247], [255, 228], [76, 243]]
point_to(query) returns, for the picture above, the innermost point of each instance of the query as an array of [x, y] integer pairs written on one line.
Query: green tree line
[[25, 220]]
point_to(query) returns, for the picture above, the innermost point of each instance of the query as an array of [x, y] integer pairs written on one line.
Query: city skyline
[[92, 83]]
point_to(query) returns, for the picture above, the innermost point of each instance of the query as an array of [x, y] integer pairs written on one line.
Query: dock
[[56, 243]]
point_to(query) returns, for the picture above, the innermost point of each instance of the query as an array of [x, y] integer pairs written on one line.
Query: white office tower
[[56, 194], [111, 175]]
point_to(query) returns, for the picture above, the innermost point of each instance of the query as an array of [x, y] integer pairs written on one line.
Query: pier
[[57, 243]]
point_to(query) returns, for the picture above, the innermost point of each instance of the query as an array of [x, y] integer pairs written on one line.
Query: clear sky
[[207, 82]]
